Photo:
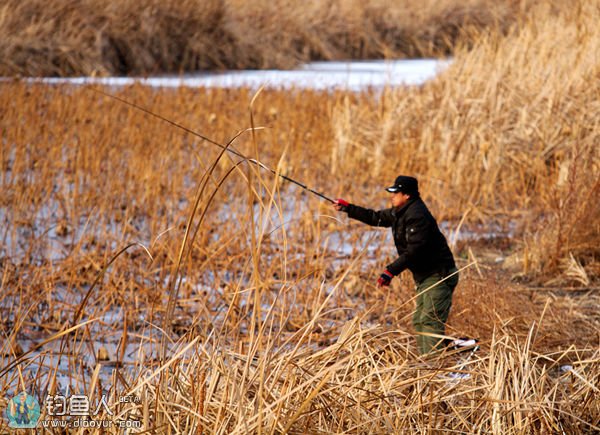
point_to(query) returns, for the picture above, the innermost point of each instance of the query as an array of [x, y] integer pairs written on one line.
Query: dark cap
[[405, 184]]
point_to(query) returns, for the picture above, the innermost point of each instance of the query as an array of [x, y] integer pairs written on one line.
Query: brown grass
[[84, 37], [86, 185], [507, 130], [276, 328]]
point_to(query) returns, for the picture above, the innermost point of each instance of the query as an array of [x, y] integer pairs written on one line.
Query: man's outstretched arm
[[381, 218]]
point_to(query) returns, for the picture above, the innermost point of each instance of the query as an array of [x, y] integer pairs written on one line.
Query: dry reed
[[276, 326], [274, 317], [509, 130], [83, 37]]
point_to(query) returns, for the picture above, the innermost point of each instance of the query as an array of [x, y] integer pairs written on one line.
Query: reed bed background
[[84, 37], [231, 302], [510, 129]]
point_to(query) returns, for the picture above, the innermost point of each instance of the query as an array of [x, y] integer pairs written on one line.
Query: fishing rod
[[213, 142]]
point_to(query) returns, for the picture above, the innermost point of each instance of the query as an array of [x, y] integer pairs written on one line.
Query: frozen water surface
[[351, 75]]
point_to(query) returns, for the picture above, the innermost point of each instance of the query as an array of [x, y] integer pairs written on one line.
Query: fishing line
[[213, 142]]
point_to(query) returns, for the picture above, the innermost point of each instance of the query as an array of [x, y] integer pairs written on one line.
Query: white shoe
[[465, 344]]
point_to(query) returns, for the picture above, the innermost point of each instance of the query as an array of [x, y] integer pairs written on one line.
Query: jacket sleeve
[[418, 233], [381, 218]]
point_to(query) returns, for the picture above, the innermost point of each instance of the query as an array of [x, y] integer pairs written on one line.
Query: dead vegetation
[[509, 129], [84, 37], [135, 259]]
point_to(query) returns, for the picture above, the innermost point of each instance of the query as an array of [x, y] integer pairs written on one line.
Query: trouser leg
[[417, 324], [431, 315]]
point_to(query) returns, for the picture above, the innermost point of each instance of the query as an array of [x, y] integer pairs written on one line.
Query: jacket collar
[[399, 211]]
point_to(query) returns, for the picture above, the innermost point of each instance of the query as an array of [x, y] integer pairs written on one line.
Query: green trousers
[[433, 308]]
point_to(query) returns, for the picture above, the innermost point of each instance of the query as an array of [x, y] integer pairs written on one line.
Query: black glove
[[341, 205], [385, 278]]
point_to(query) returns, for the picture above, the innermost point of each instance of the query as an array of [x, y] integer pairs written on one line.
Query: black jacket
[[422, 248]]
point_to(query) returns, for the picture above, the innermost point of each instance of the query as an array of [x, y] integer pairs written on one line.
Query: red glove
[[341, 204], [385, 278]]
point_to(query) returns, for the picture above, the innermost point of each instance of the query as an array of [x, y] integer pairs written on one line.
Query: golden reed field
[[84, 37], [140, 261]]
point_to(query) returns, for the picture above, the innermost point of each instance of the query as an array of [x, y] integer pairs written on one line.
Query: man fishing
[[422, 249]]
